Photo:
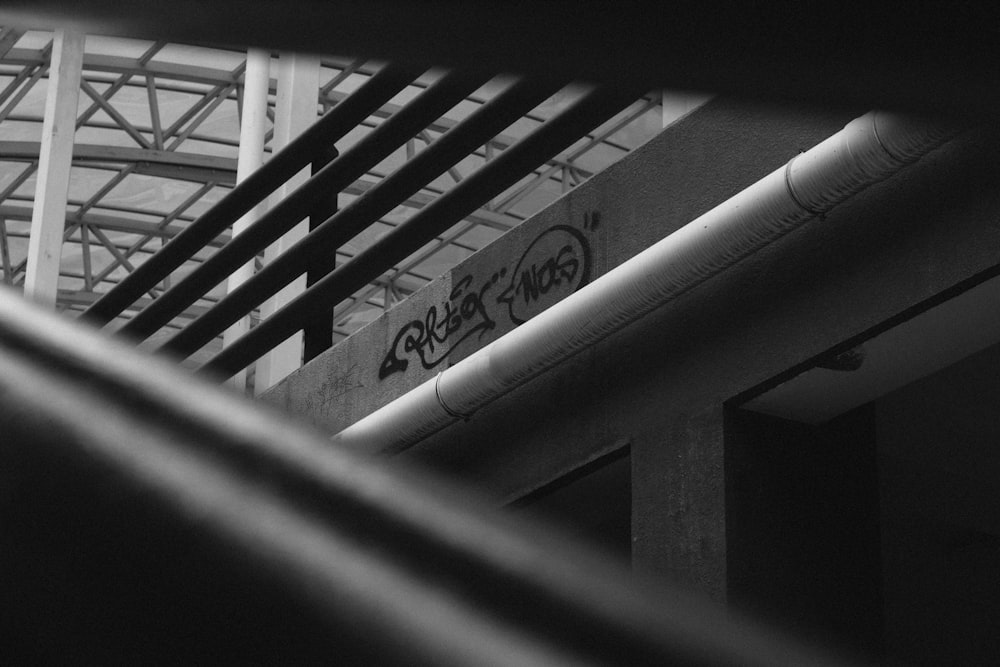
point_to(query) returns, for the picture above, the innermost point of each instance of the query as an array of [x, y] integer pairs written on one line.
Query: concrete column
[[295, 110], [253, 127], [678, 495], [48, 219]]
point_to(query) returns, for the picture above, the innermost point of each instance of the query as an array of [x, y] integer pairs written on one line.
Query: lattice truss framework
[[156, 141]]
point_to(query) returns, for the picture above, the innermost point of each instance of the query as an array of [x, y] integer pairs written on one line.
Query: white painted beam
[[55, 160], [296, 109], [253, 127]]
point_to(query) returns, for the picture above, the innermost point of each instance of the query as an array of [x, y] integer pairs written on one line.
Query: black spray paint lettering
[[431, 339], [555, 264], [539, 271]]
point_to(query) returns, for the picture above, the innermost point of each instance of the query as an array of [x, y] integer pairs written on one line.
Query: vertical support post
[[295, 110], [48, 219], [253, 127], [318, 334], [5, 253], [678, 497]]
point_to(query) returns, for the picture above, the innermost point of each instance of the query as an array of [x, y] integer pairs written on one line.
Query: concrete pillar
[[48, 219], [295, 110], [253, 127], [678, 495]]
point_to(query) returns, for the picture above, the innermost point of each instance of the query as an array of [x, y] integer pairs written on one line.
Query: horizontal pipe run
[[866, 151], [150, 514], [482, 125], [378, 144], [284, 164], [493, 178]]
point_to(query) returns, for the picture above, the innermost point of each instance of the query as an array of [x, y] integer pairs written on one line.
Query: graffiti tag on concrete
[[555, 264]]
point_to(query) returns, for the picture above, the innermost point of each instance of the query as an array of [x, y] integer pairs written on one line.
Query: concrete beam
[[700, 161], [668, 379]]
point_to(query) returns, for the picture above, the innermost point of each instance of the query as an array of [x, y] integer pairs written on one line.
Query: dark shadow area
[[802, 526], [593, 503]]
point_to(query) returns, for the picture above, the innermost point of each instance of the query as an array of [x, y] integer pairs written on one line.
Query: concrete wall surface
[[666, 385], [662, 384], [693, 165]]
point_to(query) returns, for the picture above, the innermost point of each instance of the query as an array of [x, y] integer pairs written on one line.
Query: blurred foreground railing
[[150, 517]]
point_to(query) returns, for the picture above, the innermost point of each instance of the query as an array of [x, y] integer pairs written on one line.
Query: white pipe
[[867, 150]]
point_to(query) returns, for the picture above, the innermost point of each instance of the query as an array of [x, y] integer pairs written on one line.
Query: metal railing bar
[[135, 486], [282, 166], [436, 218], [336, 176], [489, 119]]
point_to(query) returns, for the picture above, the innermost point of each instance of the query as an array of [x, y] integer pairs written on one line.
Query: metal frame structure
[[157, 135]]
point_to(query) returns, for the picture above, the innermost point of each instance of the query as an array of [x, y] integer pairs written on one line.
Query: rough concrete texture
[[938, 467], [633, 388], [663, 382], [690, 167]]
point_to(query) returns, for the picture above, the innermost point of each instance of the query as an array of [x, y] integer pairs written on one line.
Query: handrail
[[149, 515], [433, 102], [495, 177], [486, 121], [283, 165]]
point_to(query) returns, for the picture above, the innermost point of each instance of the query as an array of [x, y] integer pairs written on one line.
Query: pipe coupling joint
[[444, 406]]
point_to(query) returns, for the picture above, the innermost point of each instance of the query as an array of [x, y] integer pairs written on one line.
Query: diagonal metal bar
[[114, 181], [117, 85], [363, 298], [427, 194], [520, 193], [577, 174], [115, 252], [247, 194], [505, 108], [154, 112], [341, 77], [8, 38], [40, 71], [438, 245], [116, 115], [16, 183], [88, 273], [444, 123], [169, 218], [153, 49], [129, 169], [333, 178], [5, 253], [560, 131], [219, 95], [453, 171], [19, 180], [14, 83], [201, 118], [195, 108], [118, 259], [643, 105]]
